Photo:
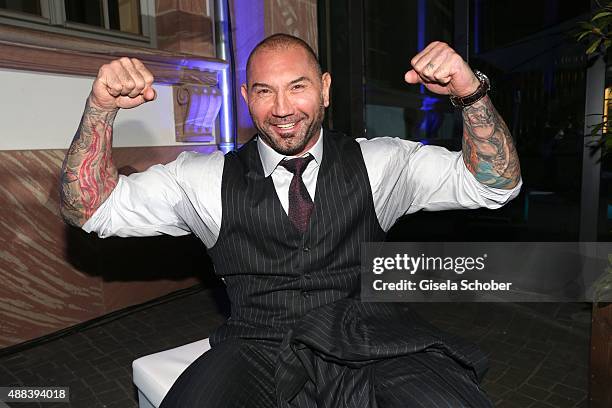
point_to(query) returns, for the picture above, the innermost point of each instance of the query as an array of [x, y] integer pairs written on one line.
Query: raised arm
[[488, 149], [88, 174]]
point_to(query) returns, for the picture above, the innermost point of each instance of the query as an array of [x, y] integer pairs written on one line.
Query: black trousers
[[239, 373]]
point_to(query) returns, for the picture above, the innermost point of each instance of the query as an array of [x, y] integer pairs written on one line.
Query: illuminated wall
[[252, 21]]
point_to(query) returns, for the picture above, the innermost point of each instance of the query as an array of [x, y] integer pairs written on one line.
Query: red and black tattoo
[[88, 173]]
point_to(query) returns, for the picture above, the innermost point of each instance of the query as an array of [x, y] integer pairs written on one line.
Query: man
[[283, 219]]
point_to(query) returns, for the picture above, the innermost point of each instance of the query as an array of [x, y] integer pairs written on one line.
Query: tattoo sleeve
[[88, 173], [488, 149]]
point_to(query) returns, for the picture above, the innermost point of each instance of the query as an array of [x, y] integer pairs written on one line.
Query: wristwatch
[[481, 91]]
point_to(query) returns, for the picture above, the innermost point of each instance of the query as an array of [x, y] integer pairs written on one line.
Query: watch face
[[483, 79]]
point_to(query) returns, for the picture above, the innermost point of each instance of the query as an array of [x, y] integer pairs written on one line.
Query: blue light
[[421, 29], [248, 21], [227, 139], [421, 23], [428, 103], [197, 110], [431, 118], [226, 120]]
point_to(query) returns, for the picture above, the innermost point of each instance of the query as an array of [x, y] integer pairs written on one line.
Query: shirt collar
[[270, 158]]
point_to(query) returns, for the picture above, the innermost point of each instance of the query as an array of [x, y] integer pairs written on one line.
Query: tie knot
[[297, 165]]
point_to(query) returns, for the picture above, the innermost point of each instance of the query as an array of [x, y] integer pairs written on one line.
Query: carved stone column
[[197, 101]]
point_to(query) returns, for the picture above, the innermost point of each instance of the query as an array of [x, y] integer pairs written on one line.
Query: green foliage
[[602, 287], [596, 34]]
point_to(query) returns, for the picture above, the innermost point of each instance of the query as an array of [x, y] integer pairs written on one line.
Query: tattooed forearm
[[88, 173], [488, 148]]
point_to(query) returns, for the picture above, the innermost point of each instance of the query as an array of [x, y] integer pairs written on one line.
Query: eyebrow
[[259, 85], [295, 81], [300, 79]]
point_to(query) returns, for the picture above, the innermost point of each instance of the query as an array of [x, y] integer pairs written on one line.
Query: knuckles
[[115, 64], [104, 69], [456, 58], [451, 57], [124, 76]]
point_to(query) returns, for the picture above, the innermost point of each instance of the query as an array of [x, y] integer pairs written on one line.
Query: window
[[22, 6], [392, 107], [121, 15], [539, 87], [125, 21]]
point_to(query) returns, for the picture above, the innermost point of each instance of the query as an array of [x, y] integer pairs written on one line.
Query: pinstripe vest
[[274, 274]]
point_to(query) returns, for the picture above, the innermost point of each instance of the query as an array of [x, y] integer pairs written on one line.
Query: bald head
[[282, 42]]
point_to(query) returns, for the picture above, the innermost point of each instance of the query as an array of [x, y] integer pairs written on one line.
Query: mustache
[[286, 119]]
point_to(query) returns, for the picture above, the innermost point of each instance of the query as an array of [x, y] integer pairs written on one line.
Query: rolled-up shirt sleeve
[[408, 176], [174, 199]]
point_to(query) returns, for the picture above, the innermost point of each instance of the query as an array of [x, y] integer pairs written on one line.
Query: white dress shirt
[[185, 195]]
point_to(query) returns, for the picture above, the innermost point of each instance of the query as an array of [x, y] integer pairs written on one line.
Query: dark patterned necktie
[[300, 203]]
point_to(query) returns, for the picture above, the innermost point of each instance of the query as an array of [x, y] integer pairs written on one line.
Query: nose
[[282, 105]]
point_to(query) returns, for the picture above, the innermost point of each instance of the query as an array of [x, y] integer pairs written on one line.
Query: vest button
[[305, 293], [306, 249]]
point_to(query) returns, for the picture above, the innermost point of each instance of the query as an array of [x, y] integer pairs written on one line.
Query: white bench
[[154, 374]]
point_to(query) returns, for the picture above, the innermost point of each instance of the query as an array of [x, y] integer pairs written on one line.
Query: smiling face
[[286, 98]]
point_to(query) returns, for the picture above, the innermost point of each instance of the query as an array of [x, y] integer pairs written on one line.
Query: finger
[[136, 77], [125, 79], [444, 63], [146, 74], [128, 102], [429, 63], [149, 94], [111, 81], [412, 77], [421, 60], [423, 53]]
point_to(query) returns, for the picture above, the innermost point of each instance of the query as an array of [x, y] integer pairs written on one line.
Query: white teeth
[[286, 126]]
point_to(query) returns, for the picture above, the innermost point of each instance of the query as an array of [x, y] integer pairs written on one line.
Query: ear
[[245, 93], [326, 81]]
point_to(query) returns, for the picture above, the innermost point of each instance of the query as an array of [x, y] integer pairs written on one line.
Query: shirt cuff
[[496, 197], [95, 223]]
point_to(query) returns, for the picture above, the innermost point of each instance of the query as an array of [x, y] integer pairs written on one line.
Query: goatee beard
[[313, 129]]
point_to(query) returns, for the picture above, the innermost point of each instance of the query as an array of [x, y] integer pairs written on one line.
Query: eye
[[263, 91], [298, 87]]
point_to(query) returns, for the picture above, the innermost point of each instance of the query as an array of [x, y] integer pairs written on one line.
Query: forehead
[[277, 65]]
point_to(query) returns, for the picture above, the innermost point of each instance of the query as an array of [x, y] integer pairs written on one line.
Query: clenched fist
[[123, 83], [441, 70]]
